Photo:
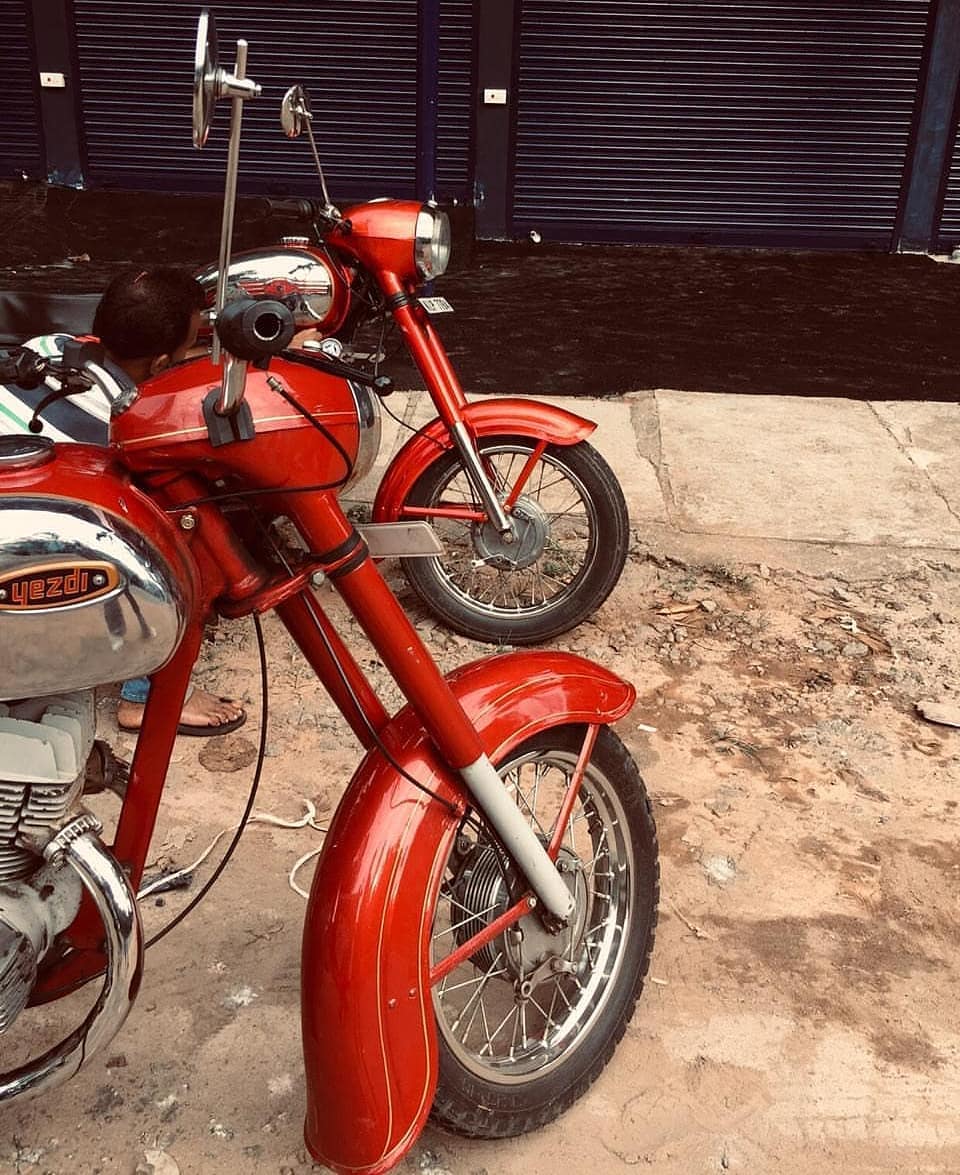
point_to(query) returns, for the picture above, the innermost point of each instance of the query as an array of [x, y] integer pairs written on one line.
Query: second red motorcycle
[[532, 520]]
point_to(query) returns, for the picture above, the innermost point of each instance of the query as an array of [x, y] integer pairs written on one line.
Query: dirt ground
[[800, 1013]]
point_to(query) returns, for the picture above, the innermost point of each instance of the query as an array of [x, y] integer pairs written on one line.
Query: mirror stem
[[327, 206], [230, 191]]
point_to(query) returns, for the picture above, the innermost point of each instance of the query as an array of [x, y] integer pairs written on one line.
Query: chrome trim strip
[[141, 442]]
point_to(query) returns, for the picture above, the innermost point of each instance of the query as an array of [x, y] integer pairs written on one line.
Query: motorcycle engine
[[45, 744]]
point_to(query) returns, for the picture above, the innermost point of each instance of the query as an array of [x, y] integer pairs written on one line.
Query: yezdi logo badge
[[54, 586]]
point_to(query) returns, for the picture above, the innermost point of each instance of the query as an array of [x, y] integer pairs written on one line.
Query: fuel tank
[[95, 585], [319, 430]]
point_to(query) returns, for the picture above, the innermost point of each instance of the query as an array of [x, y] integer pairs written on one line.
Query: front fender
[[369, 1035], [502, 416]]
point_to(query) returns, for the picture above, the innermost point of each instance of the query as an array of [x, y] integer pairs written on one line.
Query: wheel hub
[[527, 541], [528, 946]]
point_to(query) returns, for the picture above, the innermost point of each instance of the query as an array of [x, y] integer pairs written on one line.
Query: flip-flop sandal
[[198, 730], [205, 730]]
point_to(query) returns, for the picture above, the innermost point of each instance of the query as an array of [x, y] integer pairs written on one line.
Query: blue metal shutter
[[753, 121], [358, 60], [949, 237], [21, 133], [455, 99]]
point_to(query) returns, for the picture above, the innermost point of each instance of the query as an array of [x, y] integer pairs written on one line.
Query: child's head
[[149, 318]]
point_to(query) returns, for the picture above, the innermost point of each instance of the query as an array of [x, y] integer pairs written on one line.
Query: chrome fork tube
[[519, 839], [79, 846], [478, 476]]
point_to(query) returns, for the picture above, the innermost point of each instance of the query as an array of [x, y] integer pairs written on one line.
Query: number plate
[[436, 305]]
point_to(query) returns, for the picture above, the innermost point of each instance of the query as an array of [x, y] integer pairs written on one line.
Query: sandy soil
[[800, 1013]]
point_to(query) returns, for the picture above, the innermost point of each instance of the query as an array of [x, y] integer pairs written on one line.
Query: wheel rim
[[511, 1013], [556, 544]]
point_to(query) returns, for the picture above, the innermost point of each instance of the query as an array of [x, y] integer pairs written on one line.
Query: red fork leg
[[356, 578], [334, 664]]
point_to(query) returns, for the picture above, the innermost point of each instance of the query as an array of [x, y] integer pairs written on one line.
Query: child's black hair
[[146, 312]]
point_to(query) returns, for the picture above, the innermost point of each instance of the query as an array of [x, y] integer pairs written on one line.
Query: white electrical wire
[[308, 819]]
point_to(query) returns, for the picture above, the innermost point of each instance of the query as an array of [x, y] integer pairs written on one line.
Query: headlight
[[431, 247]]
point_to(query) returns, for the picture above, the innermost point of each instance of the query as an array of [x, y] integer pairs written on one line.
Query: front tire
[[569, 550], [528, 1022]]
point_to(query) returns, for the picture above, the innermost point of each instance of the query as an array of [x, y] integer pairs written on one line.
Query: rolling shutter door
[[358, 61], [455, 99], [950, 223], [21, 135], [757, 121]]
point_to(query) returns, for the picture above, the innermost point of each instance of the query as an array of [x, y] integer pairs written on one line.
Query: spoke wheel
[[571, 533], [530, 1019]]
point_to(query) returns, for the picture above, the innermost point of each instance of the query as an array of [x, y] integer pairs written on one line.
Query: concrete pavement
[[783, 479]]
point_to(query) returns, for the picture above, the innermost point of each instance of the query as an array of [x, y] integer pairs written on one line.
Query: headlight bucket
[[431, 247]]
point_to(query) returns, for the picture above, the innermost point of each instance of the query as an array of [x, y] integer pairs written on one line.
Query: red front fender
[[498, 417], [369, 1035]]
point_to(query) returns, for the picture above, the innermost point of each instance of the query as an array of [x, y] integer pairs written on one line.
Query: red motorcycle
[[482, 914], [532, 520]]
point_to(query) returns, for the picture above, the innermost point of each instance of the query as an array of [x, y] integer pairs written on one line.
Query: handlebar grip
[[304, 209], [22, 367]]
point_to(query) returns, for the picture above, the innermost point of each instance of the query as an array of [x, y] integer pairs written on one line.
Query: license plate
[[436, 305]]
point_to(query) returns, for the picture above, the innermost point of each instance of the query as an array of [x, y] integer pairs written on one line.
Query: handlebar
[[81, 366], [301, 209]]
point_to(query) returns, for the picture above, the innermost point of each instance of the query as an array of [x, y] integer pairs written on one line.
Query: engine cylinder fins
[[45, 744], [18, 972]]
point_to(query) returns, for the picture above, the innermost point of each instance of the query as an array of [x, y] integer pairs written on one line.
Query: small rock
[[720, 869], [855, 649], [157, 1163], [429, 1164], [243, 997], [708, 605], [940, 712], [763, 571]]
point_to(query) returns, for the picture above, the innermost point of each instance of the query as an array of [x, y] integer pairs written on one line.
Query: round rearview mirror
[[205, 77], [295, 111]]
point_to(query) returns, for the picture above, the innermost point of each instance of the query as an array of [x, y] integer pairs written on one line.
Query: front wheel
[[528, 1020], [568, 548]]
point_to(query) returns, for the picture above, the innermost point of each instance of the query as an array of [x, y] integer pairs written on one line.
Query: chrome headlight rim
[[431, 247]]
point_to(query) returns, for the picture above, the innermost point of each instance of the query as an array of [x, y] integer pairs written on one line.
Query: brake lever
[[381, 384]]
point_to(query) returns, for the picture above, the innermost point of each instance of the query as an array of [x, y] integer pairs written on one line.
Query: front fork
[[354, 575], [431, 357]]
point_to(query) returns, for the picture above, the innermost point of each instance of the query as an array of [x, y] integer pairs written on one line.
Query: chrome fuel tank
[[303, 278], [86, 598]]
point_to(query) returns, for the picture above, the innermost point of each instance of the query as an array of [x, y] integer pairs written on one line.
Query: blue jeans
[[136, 690]]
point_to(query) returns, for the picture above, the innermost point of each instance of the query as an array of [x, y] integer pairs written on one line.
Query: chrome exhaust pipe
[[78, 845]]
